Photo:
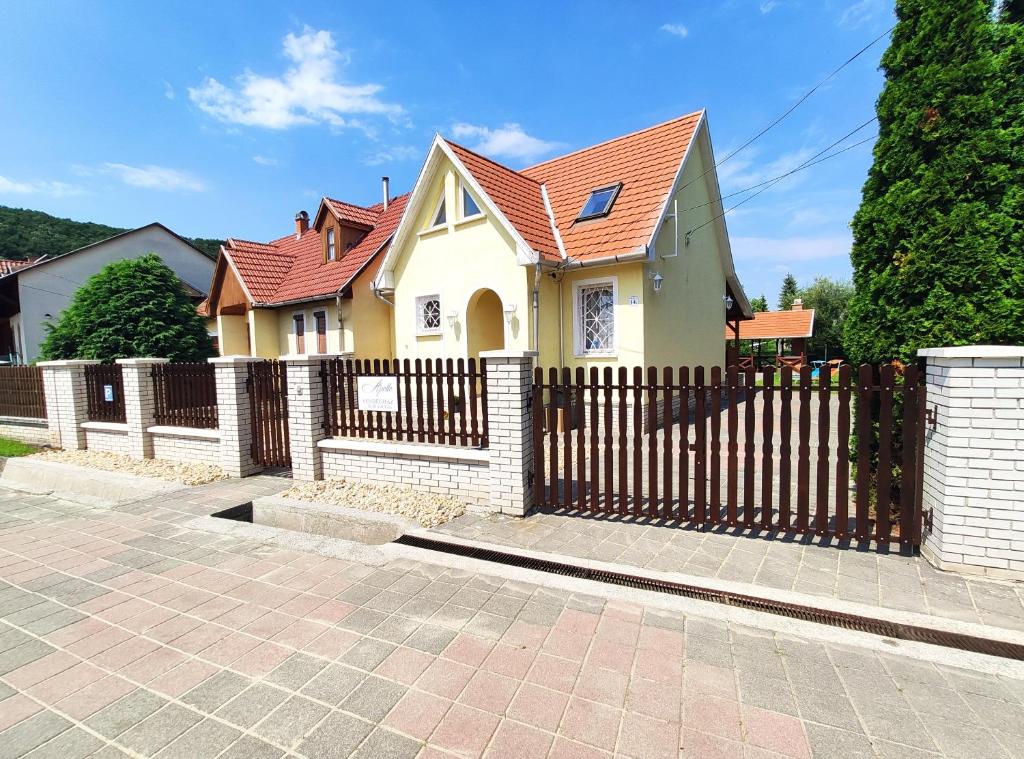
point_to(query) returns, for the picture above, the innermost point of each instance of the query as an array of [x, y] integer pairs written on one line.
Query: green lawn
[[10, 447]]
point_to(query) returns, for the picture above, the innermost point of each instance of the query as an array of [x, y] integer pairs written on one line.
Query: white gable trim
[[551, 221], [405, 233], [701, 133]]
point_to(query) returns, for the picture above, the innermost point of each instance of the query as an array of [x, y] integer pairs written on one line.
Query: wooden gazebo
[[792, 327]]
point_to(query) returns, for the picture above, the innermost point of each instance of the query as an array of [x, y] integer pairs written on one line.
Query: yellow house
[[307, 292], [616, 254]]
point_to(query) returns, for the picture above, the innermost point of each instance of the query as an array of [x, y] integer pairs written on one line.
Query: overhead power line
[[795, 105], [805, 165], [778, 179]]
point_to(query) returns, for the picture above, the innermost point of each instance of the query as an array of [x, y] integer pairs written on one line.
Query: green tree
[[937, 238], [788, 293], [759, 304], [130, 309], [830, 300]]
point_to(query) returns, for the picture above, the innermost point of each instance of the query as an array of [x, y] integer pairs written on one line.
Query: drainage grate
[[870, 625]]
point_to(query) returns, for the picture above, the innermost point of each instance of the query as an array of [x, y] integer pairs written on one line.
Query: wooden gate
[[268, 401], [758, 451]]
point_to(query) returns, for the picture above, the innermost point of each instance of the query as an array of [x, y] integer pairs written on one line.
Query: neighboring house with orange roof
[[788, 330], [307, 292], [614, 255]]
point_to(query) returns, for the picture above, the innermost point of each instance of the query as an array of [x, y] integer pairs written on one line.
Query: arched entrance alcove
[[485, 323]]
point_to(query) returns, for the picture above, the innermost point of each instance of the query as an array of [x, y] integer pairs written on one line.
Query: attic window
[[440, 216], [469, 206], [331, 254], [600, 202]]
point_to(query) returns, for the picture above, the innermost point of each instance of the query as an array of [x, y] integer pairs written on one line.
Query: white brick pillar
[[510, 430], [306, 414], [234, 415], [974, 460], [139, 403], [66, 402]]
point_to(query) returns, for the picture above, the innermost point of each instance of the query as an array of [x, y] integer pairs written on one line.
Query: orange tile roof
[[645, 162], [776, 324], [292, 268], [518, 197], [203, 307], [353, 213], [10, 265]]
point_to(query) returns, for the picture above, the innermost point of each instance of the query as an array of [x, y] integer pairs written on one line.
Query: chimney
[[301, 223], [798, 305], [385, 186]]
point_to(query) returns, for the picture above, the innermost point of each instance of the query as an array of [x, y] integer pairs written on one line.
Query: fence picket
[[652, 441], [749, 463], [821, 519], [803, 466], [684, 443], [842, 528], [883, 475], [595, 459], [767, 447], [667, 423], [700, 446], [566, 424], [715, 448], [581, 450], [785, 447], [609, 472], [623, 475], [733, 379]]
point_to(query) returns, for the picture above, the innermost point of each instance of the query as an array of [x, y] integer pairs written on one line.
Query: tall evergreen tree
[[130, 309], [788, 293], [759, 304], [936, 252]]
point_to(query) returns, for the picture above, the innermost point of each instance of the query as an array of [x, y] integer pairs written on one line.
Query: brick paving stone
[[516, 669], [338, 735], [19, 740]]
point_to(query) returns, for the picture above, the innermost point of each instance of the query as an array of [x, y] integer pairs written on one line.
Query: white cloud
[[507, 141], [783, 250], [767, 6], [390, 155], [677, 30], [168, 90], [742, 172], [36, 187], [149, 177], [860, 12], [310, 90], [263, 160]]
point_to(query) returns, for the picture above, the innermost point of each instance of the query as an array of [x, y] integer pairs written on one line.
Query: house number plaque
[[378, 394]]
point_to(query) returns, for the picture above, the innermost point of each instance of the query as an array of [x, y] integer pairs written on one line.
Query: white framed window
[[469, 204], [331, 251], [594, 316], [428, 315], [440, 217]]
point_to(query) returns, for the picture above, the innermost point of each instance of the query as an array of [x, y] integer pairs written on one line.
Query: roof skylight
[[600, 202]]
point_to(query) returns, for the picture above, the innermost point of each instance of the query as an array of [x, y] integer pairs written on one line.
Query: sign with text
[[108, 393], [378, 394]]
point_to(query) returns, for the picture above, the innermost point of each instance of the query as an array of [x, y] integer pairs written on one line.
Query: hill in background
[[30, 234]]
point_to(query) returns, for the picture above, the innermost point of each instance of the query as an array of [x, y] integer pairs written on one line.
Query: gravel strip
[[172, 471], [429, 509]]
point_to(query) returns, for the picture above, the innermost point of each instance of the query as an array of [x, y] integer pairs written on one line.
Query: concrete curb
[[760, 591], [329, 520], [38, 476]]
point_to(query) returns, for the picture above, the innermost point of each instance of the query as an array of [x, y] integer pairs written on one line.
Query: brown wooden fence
[[267, 385], [104, 389], [759, 450], [185, 395], [437, 401], [21, 392]]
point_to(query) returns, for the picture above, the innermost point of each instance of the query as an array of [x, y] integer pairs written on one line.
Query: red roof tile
[[353, 213], [770, 325], [292, 268], [518, 197], [645, 162], [9, 266]]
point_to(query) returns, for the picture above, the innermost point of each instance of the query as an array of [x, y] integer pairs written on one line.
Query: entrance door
[[485, 323]]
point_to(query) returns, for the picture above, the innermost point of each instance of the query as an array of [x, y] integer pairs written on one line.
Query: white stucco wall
[[48, 288]]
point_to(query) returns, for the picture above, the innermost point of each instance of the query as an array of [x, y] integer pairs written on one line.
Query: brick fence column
[[974, 460], [66, 402], [139, 403], [306, 413], [234, 415], [510, 430]]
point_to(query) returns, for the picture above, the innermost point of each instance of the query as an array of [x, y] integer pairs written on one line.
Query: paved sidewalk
[[125, 632], [885, 580]]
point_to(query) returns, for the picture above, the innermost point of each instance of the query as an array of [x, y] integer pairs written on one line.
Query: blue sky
[[225, 118]]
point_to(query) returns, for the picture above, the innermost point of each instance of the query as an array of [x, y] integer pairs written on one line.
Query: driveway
[[126, 631]]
